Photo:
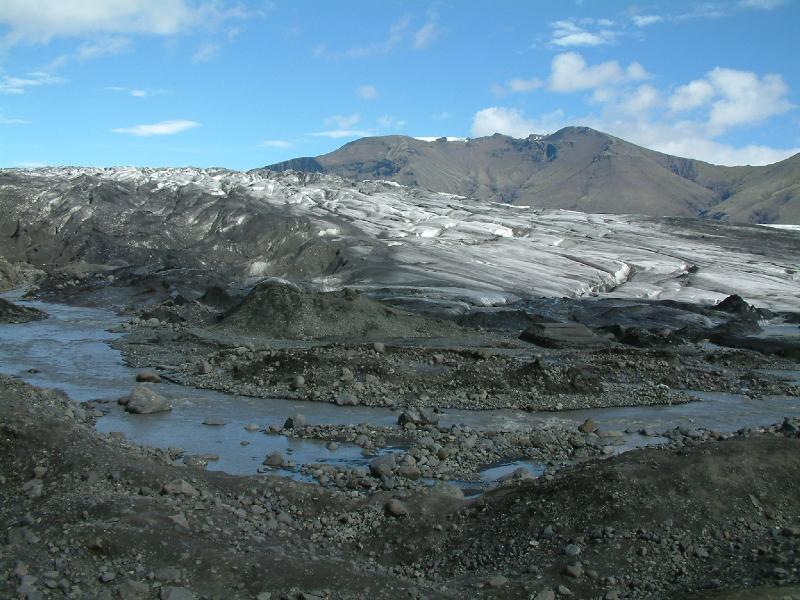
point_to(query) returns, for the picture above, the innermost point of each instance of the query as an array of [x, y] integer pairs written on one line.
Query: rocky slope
[[576, 168]]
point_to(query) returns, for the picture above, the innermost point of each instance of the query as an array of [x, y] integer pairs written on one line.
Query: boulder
[[144, 401], [347, 400], [561, 335], [295, 422], [418, 416], [148, 377], [274, 460], [383, 465]]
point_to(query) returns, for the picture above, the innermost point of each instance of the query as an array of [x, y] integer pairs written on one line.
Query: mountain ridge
[[575, 168]]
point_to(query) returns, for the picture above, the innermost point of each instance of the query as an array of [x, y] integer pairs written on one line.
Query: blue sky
[[245, 84]]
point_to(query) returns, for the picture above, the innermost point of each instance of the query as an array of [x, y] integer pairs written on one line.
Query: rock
[[179, 487], [561, 335], [395, 508], [347, 375], [296, 422], [564, 591], [176, 593], [298, 381], [383, 465], [107, 576], [735, 304], [497, 581], [144, 401], [572, 550], [180, 520], [409, 472], [418, 416], [274, 460], [252, 427], [39, 472], [204, 367], [148, 377], [34, 488], [588, 426], [347, 400], [379, 347], [574, 570], [213, 421], [545, 595]]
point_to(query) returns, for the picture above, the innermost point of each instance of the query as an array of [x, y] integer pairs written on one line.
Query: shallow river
[[69, 351]]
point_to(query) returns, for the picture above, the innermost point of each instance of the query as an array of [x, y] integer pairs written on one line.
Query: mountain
[[576, 168]]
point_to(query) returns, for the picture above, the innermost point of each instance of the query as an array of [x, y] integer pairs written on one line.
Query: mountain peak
[[574, 168]]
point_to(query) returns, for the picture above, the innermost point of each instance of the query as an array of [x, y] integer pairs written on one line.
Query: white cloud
[[744, 97], [426, 35], [692, 95], [341, 133], [387, 122], [343, 121], [721, 101], [162, 128], [642, 99], [276, 144], [206, 52], [646, 20], [510, 121], [42, 20], [394, 37], [19, 85], [5, 120], [524, 85], [400, 34], [442, 116], [135, 92], [762, 4], [570, 32], [516, 86], [570, 73], [367, 92], [106, 46]]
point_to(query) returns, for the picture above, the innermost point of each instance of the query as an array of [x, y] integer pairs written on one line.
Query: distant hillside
[[576, 168]]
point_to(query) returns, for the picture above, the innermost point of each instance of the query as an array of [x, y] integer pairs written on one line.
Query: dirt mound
[[719, 515], [280, 309], [13, 313]]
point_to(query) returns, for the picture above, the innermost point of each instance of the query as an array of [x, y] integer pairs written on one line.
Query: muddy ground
[[706, 515], [91, 516]]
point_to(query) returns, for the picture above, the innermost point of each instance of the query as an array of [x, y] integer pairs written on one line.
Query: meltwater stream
[[69, 351]]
